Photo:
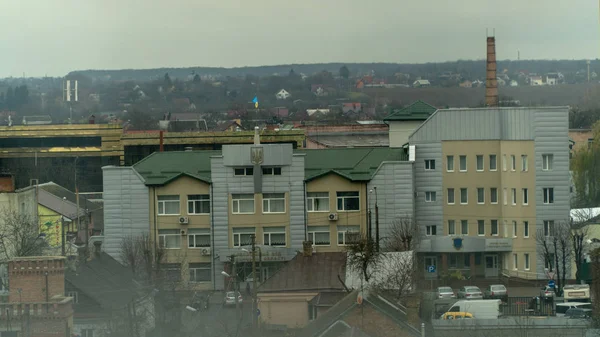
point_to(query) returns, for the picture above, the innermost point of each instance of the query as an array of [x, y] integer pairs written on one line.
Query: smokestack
[[491, 83]]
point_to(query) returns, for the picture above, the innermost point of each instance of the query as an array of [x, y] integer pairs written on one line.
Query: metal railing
[[527, 306]]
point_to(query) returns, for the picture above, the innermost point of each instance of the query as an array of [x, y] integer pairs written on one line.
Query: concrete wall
[[289, 309], [400, 131]]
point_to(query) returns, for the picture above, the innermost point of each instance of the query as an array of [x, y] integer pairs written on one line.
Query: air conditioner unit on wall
[[184, 220], [205, 251], [333, 216]]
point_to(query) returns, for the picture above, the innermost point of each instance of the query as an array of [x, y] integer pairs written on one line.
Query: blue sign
[[257, 312], [457, 242], [431, 269], [551, 284]]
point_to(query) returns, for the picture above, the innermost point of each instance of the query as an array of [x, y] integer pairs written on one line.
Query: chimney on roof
[[307, 248], [491, 82], [256, 136]]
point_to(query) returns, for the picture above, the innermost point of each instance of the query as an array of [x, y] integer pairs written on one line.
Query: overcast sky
[[54, 37]]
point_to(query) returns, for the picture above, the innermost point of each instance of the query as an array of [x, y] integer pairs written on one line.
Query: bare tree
[[20, 235], [554, 242], [363, 256], [403, 235], [580, 219], [397, 274]]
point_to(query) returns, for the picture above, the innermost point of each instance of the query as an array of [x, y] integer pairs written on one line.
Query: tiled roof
[[356, 164], [419, 110], [318, 272]]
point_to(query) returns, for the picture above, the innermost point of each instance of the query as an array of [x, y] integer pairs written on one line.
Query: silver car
[[230, 298], [445, 292], [470, 292], [496, 291], [547, 293]]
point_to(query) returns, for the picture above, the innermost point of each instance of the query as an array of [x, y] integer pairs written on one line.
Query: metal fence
[[527, 306]]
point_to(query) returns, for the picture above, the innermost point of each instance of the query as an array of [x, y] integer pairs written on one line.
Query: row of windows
[[272, 236], [547, 192], [198, 272], [547, 163], [526, 265], [272, 203], [461, 227], [248, 171]]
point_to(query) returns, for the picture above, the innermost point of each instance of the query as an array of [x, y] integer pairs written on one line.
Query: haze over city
[[55, 37]]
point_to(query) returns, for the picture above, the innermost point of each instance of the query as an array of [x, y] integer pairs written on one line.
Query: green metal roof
[[356, 164], [419, 110]]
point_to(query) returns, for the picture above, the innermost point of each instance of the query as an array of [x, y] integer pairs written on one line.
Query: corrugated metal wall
[[428, 213]]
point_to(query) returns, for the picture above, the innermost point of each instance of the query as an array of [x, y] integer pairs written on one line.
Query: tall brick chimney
[[491, 82]]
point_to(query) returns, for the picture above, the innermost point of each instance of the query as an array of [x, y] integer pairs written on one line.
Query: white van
[[479, 308], [576, 292], [561, 308]]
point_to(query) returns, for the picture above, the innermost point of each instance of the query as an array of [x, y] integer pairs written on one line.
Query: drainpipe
[[212, 236]]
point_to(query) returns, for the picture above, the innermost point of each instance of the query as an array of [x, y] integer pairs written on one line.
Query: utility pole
[[254, 290], [235, 289], [62, 235]]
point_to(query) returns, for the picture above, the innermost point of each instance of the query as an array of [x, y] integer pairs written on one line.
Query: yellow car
[[457, 315]]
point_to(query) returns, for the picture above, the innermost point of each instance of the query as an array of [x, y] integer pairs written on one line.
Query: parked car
[[547, 293], [470, 292], [445, 292], [576, 292], [457, 315], [578, 313], [484, 309], [496, 291], [230, 298], [562, 308]]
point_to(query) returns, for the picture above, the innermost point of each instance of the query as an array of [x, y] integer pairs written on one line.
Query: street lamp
[[374, 190], [224, 273]]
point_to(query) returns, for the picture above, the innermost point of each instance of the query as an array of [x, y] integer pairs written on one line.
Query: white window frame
[[515, 228], [492, 194], [343, 198], [161, 205], [199, 266], [163, 236], [513, 162], [449, 163], [313, 197], [548, 228], [526, 229], [237, 198], [192, 203], [193, 235], [524, 163], [492, 222], [271, 171], [430, 196], [548, 192], [482, 190], [525, 196], [513, 196], [429, 164], [451, 227], [268, 231], [462, 223], [477, 167], [495, 161], [466, 202], [450, 192], [345, 234], [270, 197], [480, 222], [527, 266], [547, 162], [460, 161], [314, 230], [515, 261], [238, 232], [429, 230], [243, 171]]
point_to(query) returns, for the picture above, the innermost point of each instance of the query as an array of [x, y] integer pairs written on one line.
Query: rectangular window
[[525, 196], [450, 196], [200, 272], [452, 261], [431, 230], [319, 235], [494, 195], [348, 201], [451, 227], [504, 162], [547, 162], [548, 228], [172, 271], [463, 163], [549, 261], [271, 171], [467, 260], [494, 227], [464, 196], [347, 234], [243, 171], [513, 193], [526, 258], [168, 205], [429, 164], [242, 236], [198, 204], [514, 225], [198, 237], [548, 195], [274, 236], [526, 229], [273, 202], [317, 201], [515, 262], [169, 238], [450, 163], [480, 195], [524, 164], [429, 196], [513, 162], [493, 162], [479, 162], [242, 203], [505, 196], [481, 227], [464, 227], [86, 333], [74, 295]]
